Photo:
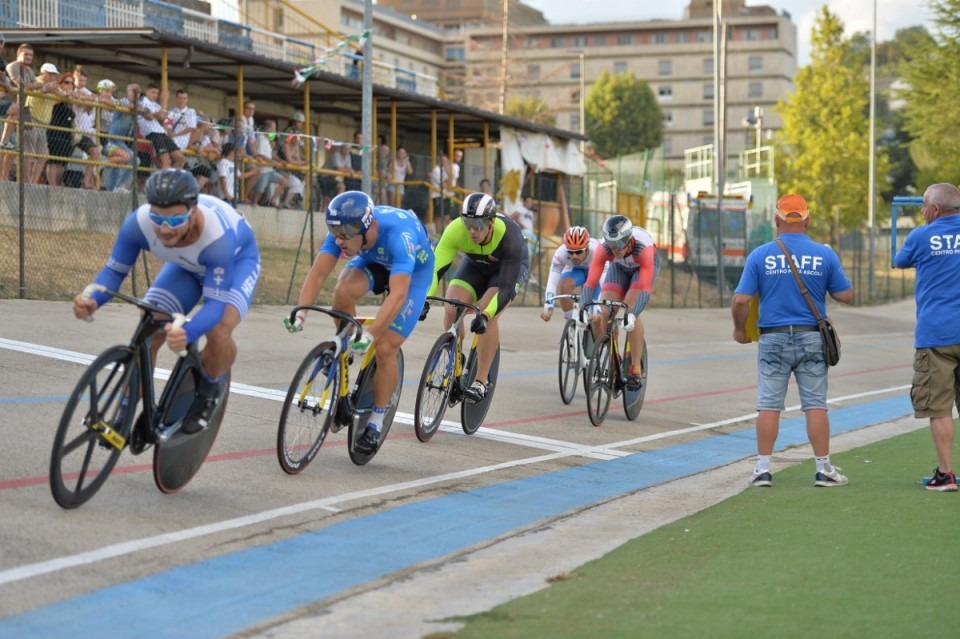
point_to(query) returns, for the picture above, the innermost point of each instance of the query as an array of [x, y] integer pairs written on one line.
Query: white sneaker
[[825, 479], [762, 479]]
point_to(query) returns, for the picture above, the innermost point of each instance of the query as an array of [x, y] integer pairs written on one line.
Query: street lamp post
[[583, 88]]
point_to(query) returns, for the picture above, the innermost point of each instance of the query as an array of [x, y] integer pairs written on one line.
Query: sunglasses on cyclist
[[477, 223], [576, 252], [345, 231], [173, 221]]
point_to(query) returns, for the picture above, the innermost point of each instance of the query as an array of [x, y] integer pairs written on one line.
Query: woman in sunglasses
[[494, 268], [632, 265], [568, 269], [210, 252]]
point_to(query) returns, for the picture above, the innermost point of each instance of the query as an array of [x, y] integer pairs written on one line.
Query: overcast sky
[[857, 15]]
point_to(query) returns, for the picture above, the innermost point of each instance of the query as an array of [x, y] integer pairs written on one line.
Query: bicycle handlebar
[[457, 303], [179, 319], [335, 314], [612, 305]]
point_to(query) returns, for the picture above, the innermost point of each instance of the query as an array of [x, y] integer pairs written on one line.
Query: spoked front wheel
[[434, 389], [600, 380], [569, 369], [94, 428], [308, 409], [633, 399]]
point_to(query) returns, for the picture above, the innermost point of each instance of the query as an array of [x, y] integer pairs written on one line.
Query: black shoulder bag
[[828, 334]]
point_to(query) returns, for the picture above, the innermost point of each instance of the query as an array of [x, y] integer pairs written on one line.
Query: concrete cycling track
[[426, 531]]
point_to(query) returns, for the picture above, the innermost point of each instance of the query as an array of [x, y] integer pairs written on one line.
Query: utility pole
[[503, 58], [366, 90]]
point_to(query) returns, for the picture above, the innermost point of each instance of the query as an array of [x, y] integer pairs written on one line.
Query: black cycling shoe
[[369, 442], [200, 414], [634, 382]]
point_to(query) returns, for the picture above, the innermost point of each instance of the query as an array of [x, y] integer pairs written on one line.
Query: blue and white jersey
[[934, 250], [225, 240], [561, 265], [781, 302], [402, 245]]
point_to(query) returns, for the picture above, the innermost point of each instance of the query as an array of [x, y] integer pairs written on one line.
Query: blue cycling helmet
[[350, 213]]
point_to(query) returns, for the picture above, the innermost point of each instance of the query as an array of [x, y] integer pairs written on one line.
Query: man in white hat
[[38, 109]]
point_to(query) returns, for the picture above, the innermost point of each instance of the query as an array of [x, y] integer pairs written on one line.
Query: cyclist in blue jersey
[[388, 250], [210, 252]]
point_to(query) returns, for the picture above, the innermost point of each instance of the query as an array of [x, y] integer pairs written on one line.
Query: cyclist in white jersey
[[568, 269]]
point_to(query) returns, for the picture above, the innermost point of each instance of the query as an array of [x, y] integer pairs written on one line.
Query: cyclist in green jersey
[[493, 270]]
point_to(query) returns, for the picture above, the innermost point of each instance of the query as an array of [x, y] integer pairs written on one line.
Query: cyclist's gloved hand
[[297, 325], [479, 324], [629, 322], [426, 309], [361, 345]]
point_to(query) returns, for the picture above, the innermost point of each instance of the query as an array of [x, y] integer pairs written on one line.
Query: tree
[[932, 118], [622, 116], [532, 109], [823, 147]]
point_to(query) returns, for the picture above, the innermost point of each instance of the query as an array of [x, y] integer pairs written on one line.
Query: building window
[[756, 63], [575, 122], [751, 34], [455, 54], [575, 97], [704, 36], [707, 139], [578, 41], [619, 67], [664, 67], [708, 91], [600, 41], [682, 36], [708, 66], [533, 72], [665, 91], [667, 146], [659, 38], [556, 43], [625, 39], [575, 71], [708, 117], [531, 43], [755, 90], [772, 33], [667, 119]]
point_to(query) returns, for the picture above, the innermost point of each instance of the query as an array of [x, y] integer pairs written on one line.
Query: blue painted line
[[225, 595]]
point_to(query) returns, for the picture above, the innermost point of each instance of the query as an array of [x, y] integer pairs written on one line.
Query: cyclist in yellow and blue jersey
[[388, 250], [494, 268]]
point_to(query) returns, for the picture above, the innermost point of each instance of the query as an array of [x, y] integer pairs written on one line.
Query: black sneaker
[[942, 482], [761, 480], [476, 392], [369, 442], [200, 414], [634, 382]]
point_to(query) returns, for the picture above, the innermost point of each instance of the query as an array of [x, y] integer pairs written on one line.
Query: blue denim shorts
[[783, 354]]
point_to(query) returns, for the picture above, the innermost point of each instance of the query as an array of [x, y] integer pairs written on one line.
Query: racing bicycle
[[607, 370], [98, 420], [576, 344], [320, 399], [447, 374]]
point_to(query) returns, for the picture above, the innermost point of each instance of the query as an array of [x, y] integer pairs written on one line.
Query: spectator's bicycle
[[576, 344], [98, 421], [447, 373], [320, 399], [607, 371]]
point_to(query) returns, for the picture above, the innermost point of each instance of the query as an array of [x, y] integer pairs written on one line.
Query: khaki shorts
[[936, 381]]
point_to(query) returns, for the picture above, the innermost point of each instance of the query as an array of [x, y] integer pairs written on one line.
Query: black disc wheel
[[363, 403], [633, 399], [472, 414]]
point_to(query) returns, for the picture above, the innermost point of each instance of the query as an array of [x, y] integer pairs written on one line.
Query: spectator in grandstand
[[289, 150], [85, 122], [118, 144], [271, 183], [383, 171], [60, 135], [206, 146], [441, 179], [183, 120], [226, 173], [402, 171], [151, 118], [38, 108], [485, 186]]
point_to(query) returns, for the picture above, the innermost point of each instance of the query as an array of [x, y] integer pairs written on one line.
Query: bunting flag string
[[326, 143], [303, 74]]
